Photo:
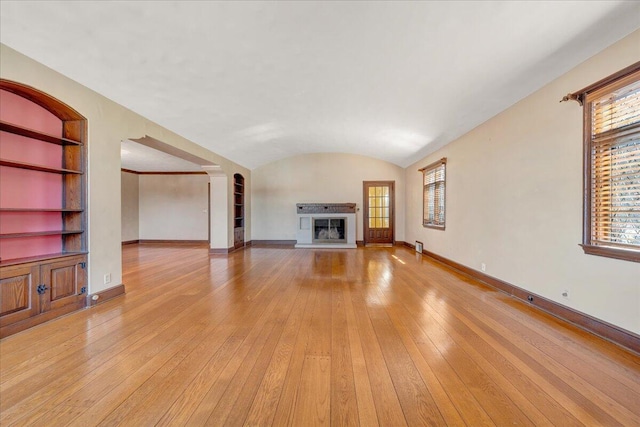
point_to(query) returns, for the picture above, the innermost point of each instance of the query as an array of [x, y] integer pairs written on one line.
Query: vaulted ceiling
[[260, 81]]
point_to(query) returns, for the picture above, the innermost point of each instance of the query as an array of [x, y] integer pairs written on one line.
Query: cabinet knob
[[41, 289]]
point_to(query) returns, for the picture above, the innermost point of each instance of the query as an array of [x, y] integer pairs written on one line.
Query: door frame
[[392, 208]]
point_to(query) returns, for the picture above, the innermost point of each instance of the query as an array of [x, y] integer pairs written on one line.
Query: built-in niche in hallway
[[238, 211]]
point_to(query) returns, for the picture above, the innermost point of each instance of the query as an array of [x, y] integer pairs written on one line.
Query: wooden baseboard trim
[[183, 242], [360, 243], [106, 295], [130, 242], [244, 246], [605, 330], [278, 243], [223, 251], [220, 251], [409, 245]]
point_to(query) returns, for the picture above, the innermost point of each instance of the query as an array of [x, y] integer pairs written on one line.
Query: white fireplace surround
[[305, 227]]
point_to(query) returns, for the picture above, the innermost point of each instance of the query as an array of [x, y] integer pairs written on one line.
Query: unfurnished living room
[[346, 213]]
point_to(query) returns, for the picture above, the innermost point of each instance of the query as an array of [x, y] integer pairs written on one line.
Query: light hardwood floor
[[377, 336]]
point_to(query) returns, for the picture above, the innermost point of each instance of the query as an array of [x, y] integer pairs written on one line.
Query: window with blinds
[[433, 194], [612, 162]]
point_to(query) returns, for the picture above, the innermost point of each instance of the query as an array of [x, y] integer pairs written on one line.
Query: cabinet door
[[64, 281], [238, 237], [18, 297]]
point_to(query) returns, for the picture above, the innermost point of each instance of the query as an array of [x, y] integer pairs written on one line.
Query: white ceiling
[[260, 81]]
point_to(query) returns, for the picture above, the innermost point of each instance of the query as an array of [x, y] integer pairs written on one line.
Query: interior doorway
[[379, 212], [164, 197]]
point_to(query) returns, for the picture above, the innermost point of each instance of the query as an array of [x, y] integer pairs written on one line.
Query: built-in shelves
[[39, 168], [238, 210], [43, 272], [39, 233], [30, 133], [238, 195]]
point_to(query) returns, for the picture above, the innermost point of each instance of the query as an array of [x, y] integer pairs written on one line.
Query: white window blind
[[434, 178], [613, 114]]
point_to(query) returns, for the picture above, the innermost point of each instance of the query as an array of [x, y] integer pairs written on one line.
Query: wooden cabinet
[[43, 243], [238, 209], [32, 293], [17, 293], [238, 237]]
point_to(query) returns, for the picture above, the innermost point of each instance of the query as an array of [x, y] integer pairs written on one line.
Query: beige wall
[[174, 207], [130, 189], [278, 186], [109, 124], [514, 200]]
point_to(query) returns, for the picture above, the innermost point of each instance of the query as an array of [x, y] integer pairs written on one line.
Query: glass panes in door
[[379, 207]]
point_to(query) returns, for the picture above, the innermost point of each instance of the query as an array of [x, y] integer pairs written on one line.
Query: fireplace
[[329, 230], [326, 225]]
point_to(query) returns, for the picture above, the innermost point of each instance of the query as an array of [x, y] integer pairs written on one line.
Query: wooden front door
[[378, 212]]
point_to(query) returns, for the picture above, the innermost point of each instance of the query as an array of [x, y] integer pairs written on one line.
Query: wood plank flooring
[[301, 337]]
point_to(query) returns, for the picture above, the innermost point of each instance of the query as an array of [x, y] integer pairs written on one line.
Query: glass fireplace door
[[329, 230]]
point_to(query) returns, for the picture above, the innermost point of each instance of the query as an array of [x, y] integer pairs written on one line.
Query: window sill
[[609, 252], [435, 227]]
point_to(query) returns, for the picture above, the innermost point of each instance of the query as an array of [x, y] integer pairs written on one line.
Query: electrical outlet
[[107, 278], [483, 267]]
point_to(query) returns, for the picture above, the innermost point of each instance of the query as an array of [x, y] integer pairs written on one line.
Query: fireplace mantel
[[318, 208], [312, 214]]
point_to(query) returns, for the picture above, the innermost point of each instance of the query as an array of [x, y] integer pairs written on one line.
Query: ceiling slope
[[259, 81]]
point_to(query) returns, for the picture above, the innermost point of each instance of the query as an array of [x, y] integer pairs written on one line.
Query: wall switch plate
[[107, 278]]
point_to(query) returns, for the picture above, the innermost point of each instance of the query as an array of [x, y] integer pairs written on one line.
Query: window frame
[[609, 84], [427, 169]]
